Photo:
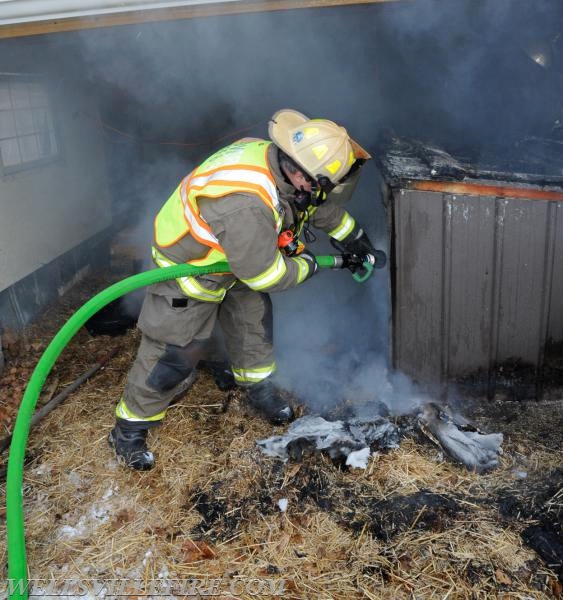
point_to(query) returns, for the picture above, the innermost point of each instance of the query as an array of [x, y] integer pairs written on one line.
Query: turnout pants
[[177, 332]]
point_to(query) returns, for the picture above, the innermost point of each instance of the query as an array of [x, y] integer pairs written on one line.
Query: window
[[27, 128]]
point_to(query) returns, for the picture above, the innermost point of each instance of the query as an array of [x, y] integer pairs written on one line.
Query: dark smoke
[[461, 75]]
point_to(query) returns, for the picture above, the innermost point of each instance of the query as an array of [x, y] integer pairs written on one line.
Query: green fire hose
[[17, 564]]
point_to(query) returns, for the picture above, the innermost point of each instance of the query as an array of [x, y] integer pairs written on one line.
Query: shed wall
[[478, 281], [555, 315]]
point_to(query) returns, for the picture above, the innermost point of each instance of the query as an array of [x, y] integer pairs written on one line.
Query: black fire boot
[[129, 439], [266, 399], [221, 373]]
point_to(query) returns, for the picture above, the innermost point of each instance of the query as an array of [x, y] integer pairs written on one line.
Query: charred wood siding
[[477, 281]]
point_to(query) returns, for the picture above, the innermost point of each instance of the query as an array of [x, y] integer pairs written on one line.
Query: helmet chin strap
[[325, 186]]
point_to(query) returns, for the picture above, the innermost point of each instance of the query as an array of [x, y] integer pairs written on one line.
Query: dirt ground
[[412, 525]]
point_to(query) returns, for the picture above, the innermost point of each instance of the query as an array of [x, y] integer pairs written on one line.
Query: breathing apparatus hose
[[17, 563]]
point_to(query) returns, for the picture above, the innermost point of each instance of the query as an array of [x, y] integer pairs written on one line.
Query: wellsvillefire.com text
[[111, 589]]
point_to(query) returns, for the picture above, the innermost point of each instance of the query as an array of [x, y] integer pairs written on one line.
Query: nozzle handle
[[364, 273]]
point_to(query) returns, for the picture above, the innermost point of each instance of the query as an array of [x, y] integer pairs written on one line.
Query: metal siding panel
[[523, 231], [478, 281], [469, 292], [555, 319], [418, 299]]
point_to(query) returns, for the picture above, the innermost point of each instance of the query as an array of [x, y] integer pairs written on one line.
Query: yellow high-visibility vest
[[241, 167]]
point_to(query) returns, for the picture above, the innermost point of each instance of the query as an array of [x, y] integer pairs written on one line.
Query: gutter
[[36, 17]]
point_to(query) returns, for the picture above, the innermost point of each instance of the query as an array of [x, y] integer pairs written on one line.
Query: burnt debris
[[539, 501], [340, 439], [531, 161]]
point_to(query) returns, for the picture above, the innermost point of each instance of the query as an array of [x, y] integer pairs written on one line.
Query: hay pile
[[412, 525]]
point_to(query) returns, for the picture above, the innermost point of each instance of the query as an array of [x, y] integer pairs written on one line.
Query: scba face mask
[[320, 189]]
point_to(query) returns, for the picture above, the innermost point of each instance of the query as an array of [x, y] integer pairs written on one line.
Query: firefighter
[[234, 207]]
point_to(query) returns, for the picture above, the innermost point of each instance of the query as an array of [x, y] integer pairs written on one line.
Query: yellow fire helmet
[[320, 146]]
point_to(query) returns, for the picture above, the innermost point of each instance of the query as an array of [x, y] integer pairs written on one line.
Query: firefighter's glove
[[358, 243], [352, 262], [311, 263]]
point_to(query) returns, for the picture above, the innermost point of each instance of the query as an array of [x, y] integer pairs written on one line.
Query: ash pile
[[352, 440]]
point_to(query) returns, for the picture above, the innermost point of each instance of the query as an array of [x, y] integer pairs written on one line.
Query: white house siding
[[47, 210]]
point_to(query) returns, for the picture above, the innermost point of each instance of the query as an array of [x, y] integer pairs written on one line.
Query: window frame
[[26, 165]]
